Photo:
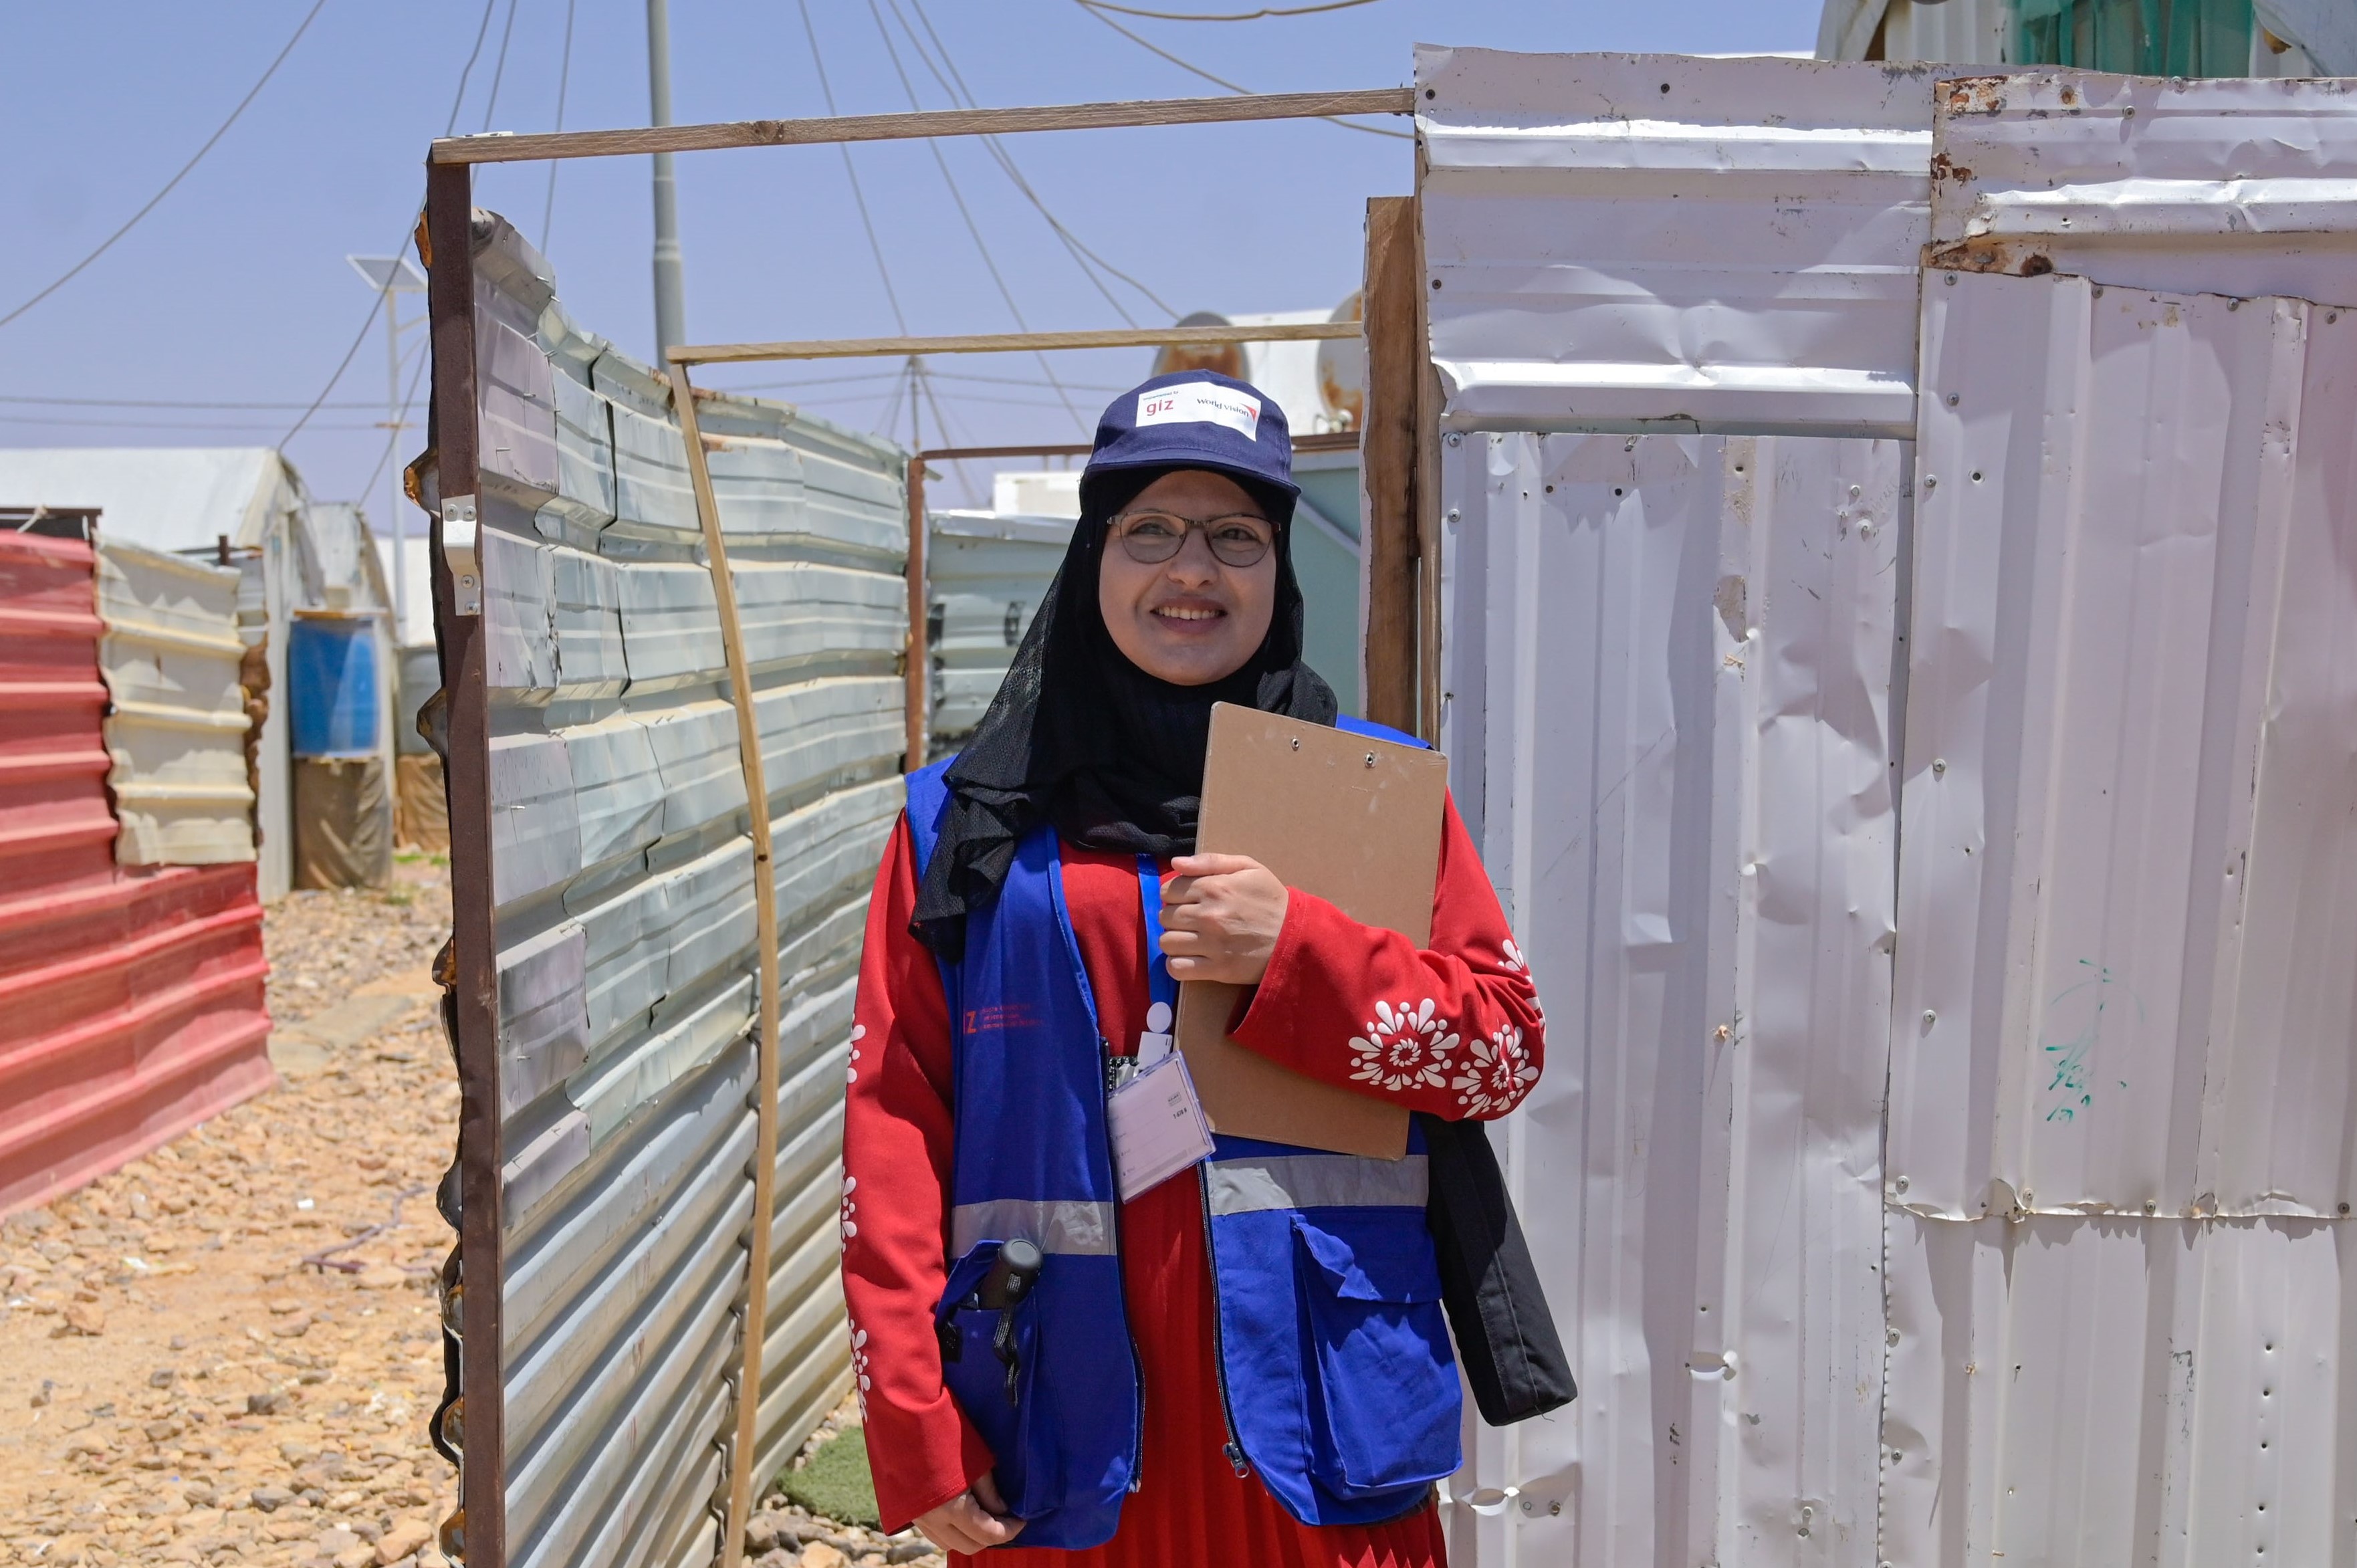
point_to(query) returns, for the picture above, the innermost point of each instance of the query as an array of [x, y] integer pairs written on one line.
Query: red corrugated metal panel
[[130, 1002]]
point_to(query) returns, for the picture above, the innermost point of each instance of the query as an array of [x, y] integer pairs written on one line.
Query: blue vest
[[1336, 1372]]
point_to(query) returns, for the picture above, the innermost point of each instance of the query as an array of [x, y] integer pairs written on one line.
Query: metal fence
[[621, 871], [986, 574], [1919, 811], [131, 1000]]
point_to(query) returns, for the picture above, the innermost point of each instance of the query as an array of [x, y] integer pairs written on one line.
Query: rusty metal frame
[[482, 1533]]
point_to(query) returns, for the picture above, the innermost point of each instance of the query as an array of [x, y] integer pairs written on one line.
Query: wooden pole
[[1011, 342], [1388, 463], [1427, 501], [505, 147], [918, 692], [450, 294], [765, 929]]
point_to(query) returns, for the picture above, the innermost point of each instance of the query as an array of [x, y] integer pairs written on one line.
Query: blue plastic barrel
[[334, 693]]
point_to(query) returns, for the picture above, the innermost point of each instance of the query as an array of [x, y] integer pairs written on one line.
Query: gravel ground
[[181, 1383], [177, 1385]]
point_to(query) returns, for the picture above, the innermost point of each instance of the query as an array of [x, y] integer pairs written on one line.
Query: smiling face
[[1192, 619]]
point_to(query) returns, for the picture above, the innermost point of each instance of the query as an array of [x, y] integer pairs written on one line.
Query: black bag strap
[[1506, 1338]]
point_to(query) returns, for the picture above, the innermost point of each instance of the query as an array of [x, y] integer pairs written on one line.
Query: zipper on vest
[[1136, 1365], [1232, 1449]]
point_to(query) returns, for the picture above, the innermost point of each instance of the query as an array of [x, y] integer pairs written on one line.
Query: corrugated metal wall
[[2073, 1283], [987, 572], [621, 867], [2124, 1124], [176, 723], [1670, 709], [130, 1001]]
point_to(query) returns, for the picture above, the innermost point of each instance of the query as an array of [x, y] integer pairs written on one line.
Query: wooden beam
[[1388, 465], [918, 695], [1427, 503], [765, 939], [506, 147], [1009, 342], [465, 648]]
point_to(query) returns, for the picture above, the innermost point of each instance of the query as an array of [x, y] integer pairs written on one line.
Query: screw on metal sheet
[[1900, 1183], [1855, 492], [2150, 1207], [2344, 1209], [1866, 531], [1930, 481], [1453, 514], [1976, 476], [2233, 305], [1891, 1338], [2332, 315], [1555, 1508], [1939, 765], [1436, 282], [1296, 744], [1429, 94], [1455, 439], [1630, 445], [1952, 400], [1950, 279], [1930, 1017], [1665, 87]]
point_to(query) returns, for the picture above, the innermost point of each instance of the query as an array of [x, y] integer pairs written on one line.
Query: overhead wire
[[383, 297], [564, 81], [859, 197], [222, 130], [989, 262], [1233, 16], [1092, 8], [1083, 255]]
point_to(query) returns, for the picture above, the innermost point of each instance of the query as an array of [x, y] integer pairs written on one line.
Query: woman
[[1153, 1400]]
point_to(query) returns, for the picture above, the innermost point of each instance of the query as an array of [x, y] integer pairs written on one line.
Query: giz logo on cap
[[1200, 402]]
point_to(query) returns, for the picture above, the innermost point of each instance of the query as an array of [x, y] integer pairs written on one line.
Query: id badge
[[1157, 1125]]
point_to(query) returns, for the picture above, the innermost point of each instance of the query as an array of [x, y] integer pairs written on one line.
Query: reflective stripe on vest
[[1052, 1225], [1315, 1181]]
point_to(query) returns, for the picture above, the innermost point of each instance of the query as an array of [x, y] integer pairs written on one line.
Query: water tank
[[335, 692]]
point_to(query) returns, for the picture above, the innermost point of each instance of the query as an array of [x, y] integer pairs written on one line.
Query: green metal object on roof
[[2136, 37]]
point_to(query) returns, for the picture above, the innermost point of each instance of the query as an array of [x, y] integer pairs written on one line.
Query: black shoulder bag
[[1506, 1336]]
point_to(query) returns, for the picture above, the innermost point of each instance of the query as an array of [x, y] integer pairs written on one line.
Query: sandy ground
[[228, 1352]]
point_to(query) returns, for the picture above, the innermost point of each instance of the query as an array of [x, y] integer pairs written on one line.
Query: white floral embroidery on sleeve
[[1403, 1047], [1497, 1074], [851, 1072], [1512, 963], [850, 1208], [859, 1365]]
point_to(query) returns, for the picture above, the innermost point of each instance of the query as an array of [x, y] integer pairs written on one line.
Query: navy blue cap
[[1197, 419]]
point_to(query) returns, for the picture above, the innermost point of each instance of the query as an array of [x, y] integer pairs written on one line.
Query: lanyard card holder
[[1156, 1119]]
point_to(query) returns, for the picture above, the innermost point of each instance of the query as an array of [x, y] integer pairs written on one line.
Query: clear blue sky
[[235, 289]]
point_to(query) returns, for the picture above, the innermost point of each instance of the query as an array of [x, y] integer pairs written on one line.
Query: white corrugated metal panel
[[2130, 837], [176, 720], [622, 868], [987, 574], [1670, 726], [2123, 1138], [1620, 242], [2219, 187]]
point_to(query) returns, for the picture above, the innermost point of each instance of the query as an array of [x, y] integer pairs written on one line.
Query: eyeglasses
[[1236, 538]]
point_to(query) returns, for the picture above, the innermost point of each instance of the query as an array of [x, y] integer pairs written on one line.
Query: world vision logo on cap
[[1200, 402]]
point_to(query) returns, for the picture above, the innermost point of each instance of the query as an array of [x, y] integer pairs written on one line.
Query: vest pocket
[[1021, 1433], [1383, 1396]]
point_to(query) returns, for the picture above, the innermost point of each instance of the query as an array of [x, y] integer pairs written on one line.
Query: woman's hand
[[973, 1520], [1221, 916]]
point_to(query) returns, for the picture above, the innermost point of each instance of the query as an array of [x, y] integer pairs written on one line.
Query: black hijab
[[1080, 738]]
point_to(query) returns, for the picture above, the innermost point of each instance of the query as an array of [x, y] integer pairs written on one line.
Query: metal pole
[[918, 691], [396, 518], [670, 286]]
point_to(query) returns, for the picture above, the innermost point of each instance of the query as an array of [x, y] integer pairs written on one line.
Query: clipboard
[[1356, 822]]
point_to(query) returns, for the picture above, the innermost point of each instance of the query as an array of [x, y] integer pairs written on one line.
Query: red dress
[[1455, 1029]]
